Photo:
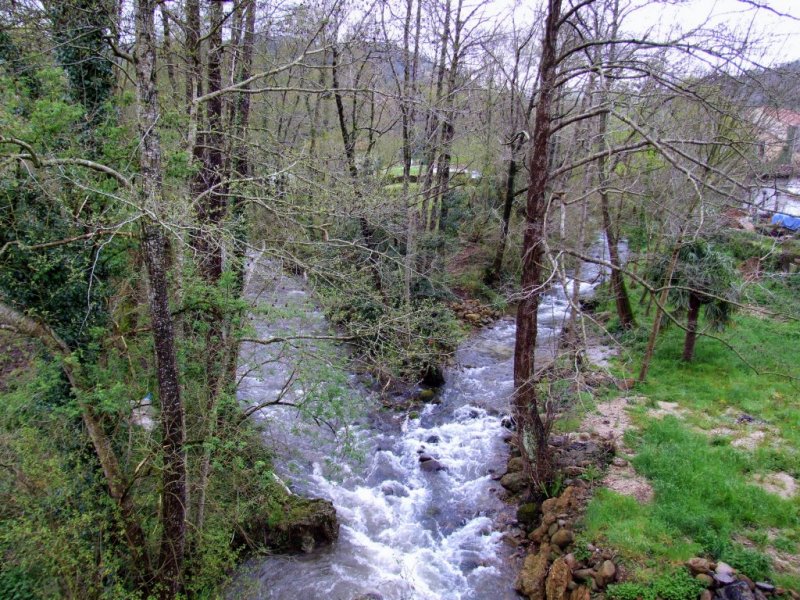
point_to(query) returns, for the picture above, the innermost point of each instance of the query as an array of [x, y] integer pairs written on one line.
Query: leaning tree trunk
[[691, 327], [173, 492], [526, 401]]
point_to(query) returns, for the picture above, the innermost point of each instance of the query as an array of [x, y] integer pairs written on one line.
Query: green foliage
[[705, 273], [675, 585], [80, 27], [753, 564]]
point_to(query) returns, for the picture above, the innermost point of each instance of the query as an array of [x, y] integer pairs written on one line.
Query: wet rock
[[394, 488], [304, 525], [509, 423], [557, 580], [528, 513], [433, 439], [514, 482], [432, 466], [424, 457], [562, 538], [426, 395], [738, 590], [369, 596], [531, 579], [765, 586]]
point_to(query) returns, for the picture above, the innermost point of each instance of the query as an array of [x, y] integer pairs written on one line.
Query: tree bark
[[173, 501], [526, 401], [691, 327]]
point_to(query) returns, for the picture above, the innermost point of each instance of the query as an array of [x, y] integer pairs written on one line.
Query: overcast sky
[[779, 35]]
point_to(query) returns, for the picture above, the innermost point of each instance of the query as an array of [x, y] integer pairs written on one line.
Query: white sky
[[779, 36]]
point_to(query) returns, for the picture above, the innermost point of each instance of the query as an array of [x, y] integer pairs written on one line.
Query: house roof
[[783, 115]]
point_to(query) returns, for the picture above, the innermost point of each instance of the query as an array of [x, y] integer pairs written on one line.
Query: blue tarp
[[792, 223]]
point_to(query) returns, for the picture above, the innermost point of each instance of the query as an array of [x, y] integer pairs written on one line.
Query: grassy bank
[[706, 433]]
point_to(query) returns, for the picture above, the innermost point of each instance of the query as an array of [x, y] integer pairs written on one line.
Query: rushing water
[[405, 533]]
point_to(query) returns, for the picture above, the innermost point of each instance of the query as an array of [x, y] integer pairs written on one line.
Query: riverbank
[[701, 498]]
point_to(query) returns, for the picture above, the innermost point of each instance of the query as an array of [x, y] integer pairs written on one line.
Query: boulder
[[704, 578], [562, 538], [514, 482], [557, 581], [538, 535], [724, 574], [291, 525], [738, 590], [531, 579], [699, 565], [432, 466], [584, 574], [605, 573]]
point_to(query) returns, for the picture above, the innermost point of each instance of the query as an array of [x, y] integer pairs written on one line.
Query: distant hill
[[778, 87]]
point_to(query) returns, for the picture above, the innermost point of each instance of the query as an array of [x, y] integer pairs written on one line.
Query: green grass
[[702, 489], [702, 498], [718, 380], [704, 495]]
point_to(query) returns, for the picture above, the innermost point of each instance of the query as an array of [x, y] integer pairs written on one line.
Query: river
[[406, 532]]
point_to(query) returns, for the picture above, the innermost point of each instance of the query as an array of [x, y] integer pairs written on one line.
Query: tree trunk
[[173, 501], [349, 141], [621, 298], [493, 275], [691, 327], [525, 402]]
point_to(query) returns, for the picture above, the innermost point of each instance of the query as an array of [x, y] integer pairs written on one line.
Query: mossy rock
[[426, 395], [528, 513], [291, 524]]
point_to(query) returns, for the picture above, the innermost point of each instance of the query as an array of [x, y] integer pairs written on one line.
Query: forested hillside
[[453, 298]]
